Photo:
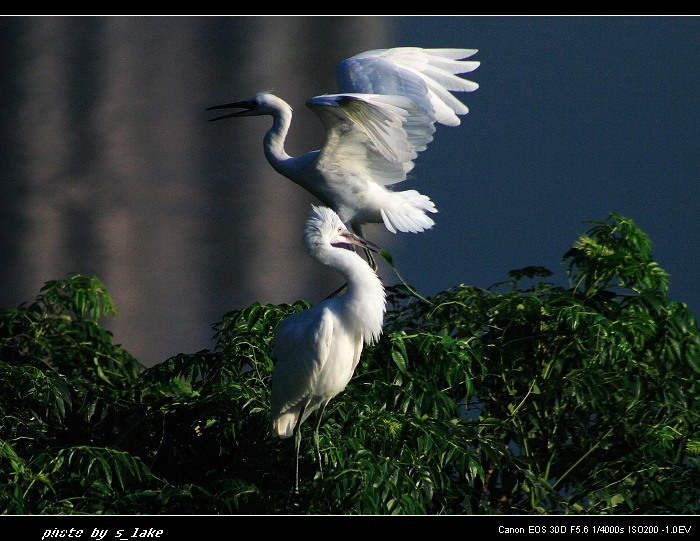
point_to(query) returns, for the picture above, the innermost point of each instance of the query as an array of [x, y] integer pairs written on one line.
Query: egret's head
[[262, 103], [325, 227]]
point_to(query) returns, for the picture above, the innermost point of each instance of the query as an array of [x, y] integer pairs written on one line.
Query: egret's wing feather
[[372, 73], [381, 134], [390, 121], [389, 103], [426, 76]]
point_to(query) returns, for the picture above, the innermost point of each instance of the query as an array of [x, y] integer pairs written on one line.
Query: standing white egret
[[318, 349], [385, 114]]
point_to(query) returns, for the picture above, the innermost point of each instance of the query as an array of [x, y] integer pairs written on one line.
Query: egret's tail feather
[[283, 425], [407, 212]]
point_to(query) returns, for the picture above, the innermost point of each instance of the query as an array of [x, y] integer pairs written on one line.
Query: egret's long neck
[[273, 142], [365, 295]]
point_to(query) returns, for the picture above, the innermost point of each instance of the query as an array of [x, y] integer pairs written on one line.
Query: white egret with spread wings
[[385, 113]]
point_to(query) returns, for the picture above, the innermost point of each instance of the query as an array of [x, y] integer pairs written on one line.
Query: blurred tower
[[112, 168]]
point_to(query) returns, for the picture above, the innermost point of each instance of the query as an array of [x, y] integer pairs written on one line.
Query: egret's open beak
[[247, 107], [351, 238]]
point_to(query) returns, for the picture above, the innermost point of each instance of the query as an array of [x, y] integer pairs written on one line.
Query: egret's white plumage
[[317, 350], [385, 113]]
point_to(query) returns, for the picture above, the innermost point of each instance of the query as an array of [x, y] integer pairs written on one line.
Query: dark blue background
[[575, 117]]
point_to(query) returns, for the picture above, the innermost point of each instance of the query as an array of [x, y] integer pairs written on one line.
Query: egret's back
[[314, 364]]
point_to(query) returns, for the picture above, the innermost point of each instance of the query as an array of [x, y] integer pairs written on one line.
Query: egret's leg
[[337, 292], [370, 260], [319, 416], [297, 445], [357, 229]]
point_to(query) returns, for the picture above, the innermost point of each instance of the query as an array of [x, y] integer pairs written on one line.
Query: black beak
[[351, 238], [245, 105]]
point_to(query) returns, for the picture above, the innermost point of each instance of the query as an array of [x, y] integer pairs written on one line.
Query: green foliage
[[523, 398]]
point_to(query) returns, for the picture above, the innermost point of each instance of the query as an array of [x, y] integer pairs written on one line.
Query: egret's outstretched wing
[[426, 76], [381, 134]]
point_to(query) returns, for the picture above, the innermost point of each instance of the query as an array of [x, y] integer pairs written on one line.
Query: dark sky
[[575, 117]]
